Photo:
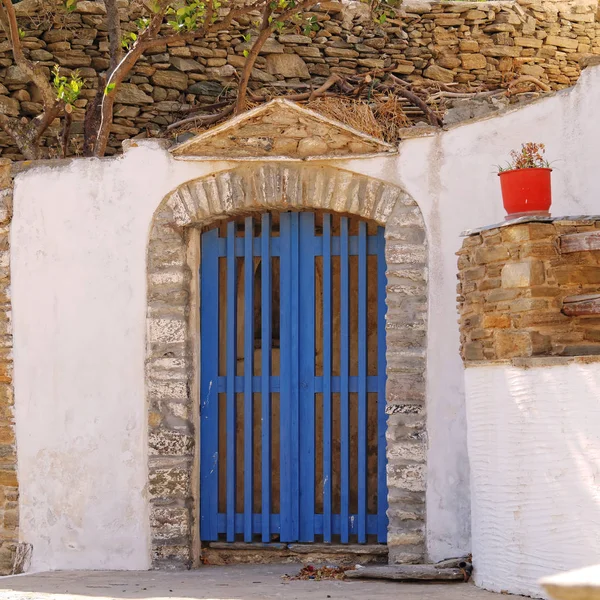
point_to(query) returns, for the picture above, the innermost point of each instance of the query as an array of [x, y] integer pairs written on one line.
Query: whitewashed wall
[[78, 252], [534, 445]]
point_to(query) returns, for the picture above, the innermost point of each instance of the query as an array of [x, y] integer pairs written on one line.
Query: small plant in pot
[[525, 182]]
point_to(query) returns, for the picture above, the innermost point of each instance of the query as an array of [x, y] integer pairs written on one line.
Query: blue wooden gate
[[293, 374]]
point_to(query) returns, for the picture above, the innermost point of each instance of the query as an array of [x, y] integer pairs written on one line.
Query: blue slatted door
[[293, 420]]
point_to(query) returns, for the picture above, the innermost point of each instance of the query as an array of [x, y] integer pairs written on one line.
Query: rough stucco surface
[[78, 264], [534, 450], [282, 186]]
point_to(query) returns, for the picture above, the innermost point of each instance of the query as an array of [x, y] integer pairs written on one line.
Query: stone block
[[170, 443], [512, 344], [528, 42], [170, 79], [288, 65], [496, 321], [561, 42], [486, 255], [473, 61], [171, 482], [129, 93], [523, 274], [438, 73]]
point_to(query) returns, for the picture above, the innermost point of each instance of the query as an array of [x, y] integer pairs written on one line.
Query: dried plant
[[531, 156], [354, 113]]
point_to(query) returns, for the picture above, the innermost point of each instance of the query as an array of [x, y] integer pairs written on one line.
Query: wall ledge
[[529, 219], [534, 362]]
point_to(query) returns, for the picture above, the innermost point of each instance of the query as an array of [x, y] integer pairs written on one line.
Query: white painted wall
[[78, 253], [534, 445], [452, 178], [78, 242]]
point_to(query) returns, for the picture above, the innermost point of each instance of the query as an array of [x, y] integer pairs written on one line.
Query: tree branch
[[264, 33], [114, 34], [34, 72]]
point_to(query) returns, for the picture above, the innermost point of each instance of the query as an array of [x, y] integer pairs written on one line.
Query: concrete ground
[[262, 582]]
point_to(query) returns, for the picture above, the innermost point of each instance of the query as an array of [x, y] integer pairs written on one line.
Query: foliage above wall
[[375, 67]]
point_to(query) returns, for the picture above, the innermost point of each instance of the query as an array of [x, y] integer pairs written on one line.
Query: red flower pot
[[526, 191]]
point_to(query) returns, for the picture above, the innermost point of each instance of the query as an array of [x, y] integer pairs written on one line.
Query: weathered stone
[[523, 274], [222, 72], [439, 74], [41, 55], [473, 61], [186, 64], [288, 65], [511, 344], [9, 106], [14, 75], [205, 88], [341, 52], [294, 39], [128, 93], [170, 79], [90, 7], [561, 42]]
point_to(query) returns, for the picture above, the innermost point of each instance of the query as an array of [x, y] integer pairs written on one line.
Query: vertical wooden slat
[[382, 501], [285, 394], [209, 398], [295, 362], [307, 377], [362, 383], [248, 374], [266, 374], [344, 377], [327, 409], [231, 341]]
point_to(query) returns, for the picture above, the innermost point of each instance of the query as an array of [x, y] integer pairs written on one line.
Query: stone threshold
[[273, 553], [379, 549], [529, 219], [534, 362]]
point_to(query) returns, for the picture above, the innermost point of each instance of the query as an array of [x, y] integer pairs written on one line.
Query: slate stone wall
[[479, 42], [515, 283]]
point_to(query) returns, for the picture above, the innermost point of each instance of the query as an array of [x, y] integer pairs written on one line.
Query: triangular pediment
[[281, 128]]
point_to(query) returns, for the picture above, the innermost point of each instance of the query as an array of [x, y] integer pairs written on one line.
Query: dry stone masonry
[[9, 492], [521, 288], [463, 42], [173, 337]]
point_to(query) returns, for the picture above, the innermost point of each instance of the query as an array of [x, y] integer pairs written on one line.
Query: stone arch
[[173, 343]]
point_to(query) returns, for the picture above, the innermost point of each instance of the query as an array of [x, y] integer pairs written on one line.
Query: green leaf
[[109, 88], [245, 53]]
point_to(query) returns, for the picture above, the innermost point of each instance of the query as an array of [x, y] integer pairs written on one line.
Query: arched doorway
[[174, 356], [293, 375]]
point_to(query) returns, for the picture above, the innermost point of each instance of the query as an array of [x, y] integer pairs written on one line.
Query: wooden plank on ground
[[408, 573]]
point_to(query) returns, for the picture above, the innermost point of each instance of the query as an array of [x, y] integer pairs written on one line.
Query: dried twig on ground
[[528, 79], [318, 573]]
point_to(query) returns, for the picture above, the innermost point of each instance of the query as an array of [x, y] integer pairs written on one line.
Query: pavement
[[238, 582]]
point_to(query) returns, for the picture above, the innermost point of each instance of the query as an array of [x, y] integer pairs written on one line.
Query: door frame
[[172, 365]]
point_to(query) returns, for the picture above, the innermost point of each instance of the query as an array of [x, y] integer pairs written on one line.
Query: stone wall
[[9, 492], [516, 282], [480, 42]]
